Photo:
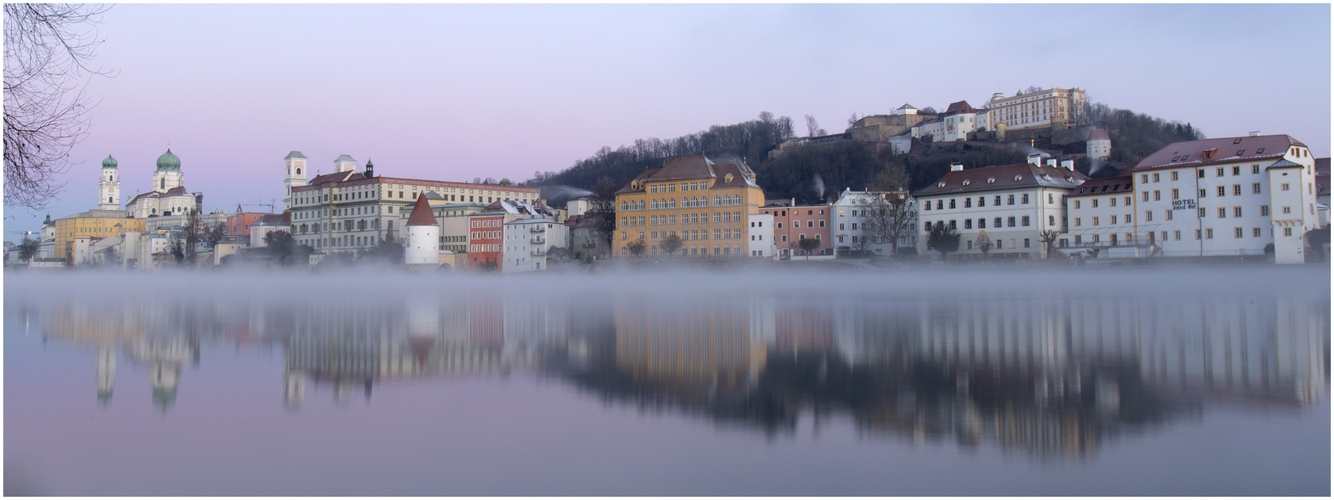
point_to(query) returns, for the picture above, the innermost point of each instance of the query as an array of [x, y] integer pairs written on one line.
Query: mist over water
[[681, 381]]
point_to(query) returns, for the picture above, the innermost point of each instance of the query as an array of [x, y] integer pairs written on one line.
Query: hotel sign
[[1183, 204]]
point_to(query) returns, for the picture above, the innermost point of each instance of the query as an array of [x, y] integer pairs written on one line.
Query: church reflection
[[1047, 376]]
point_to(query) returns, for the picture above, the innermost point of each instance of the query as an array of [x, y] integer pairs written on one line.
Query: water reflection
[[1046, 376]]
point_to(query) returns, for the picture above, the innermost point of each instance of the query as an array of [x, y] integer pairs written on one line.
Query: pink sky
[[454, 92]]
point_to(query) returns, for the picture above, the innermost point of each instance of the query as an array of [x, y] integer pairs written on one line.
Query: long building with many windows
[[706, 204], [347, 210], [1228, 196]]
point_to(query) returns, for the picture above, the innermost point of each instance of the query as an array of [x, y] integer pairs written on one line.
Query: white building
[[108, 192], [348, 210], [761, 233], [848, 224], [1035, 109], [1101, 215], [528, 243], [1009, 205], [422, 247], [167, 195], [1228, 196], [1099, 145]]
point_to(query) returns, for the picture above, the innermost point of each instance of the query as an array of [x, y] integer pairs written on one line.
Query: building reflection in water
[[1047, 376]]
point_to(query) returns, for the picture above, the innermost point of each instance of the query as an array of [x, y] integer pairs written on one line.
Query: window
[[1222, 212], [1010, 200], [1202, 213], [940, 204], [981, 223], [1287, 210], [1209, 233], [998, 200], [1113, 200], [1157, 195], [1051, 220], [953, 225], [1204, 193], [1155, 177], [1200, 174], [1287, 231], [1174, 175], [997, 222], [1285, 186], [1113, 220], [1095, 220], [968, 223], [1146, 196], [1237, 169], [1024, 199], [981, 201], [1026, 244], [1255, 232], [1222, 190], [1010, 221], [1078, 221], [1264, 210], [1168, 213], [1176, 194], [1237, 233], [1255, 169], [927, 205], [1024, 221], [1236, 211], [967, 203], [951, 202], [1095, 203], [1219, 171], [810, 223]]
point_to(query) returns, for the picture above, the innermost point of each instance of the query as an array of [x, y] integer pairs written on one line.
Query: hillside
[[818, 172]]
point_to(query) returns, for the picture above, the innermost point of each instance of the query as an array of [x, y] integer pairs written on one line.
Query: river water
[[1109, 382]]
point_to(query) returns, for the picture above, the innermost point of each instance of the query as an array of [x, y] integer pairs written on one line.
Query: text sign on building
[[1183, 204]]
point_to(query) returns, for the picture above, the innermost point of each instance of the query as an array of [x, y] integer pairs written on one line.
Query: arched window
[[163, 182], [624, 206], [298, 170], [671, 203], [736, 199], [716, 250], [717, 200], [694, 202], [653, 204]]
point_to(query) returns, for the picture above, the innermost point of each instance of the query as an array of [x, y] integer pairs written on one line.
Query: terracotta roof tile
[[1108, 185], [421, 213], [1019, 175], [1221, 150]]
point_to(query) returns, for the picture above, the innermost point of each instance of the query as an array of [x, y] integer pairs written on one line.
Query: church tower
[[168, 174], [296, 176], [109, 187]]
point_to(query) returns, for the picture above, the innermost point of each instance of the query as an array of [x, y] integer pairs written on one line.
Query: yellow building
[[95, 224], [707, 204]]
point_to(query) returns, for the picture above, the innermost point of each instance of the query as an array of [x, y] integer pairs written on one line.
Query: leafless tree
[[888, 213], [49, 48], [1049, 238], [813, 127], [602, 206], [671, 244]]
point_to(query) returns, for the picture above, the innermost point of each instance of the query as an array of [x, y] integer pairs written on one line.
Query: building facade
[[167, 196], [793, 223], [706, 204], [1101, 215], [1006, 206], [528, 244], [350, 211], [1035, 109], [1228, 196], [848, 226]]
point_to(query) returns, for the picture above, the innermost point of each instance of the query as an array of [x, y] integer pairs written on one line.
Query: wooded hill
[[818, 172]]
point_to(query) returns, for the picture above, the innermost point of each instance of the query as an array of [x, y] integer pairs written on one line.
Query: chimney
[[956, 166], [1035, 159], [1068, 165]]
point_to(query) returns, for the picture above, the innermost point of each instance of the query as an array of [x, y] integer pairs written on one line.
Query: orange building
[[706, 204]]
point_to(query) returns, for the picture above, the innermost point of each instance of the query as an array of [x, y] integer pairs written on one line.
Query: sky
[[457, 92]]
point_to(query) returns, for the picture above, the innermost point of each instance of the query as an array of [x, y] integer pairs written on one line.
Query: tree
[[48, 48], [808, 245], [111, 257], [506, 182], [636, 247], [602, 203], [214, 234], [984, 243], [888, 215], [929, 111], [813, 127], [281, 246], [942, 239], [852, 120], [1049, 238], [671, 244], [27, 249]]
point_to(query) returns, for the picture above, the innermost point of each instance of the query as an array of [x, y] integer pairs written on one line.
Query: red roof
[[1019, 175], [959, 107], [1221, 150], [693, 167], [421, 213], [1107, 185], [1099, 135]]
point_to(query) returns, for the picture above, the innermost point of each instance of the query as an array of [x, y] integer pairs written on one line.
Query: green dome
[[109, 162], [168, 161]]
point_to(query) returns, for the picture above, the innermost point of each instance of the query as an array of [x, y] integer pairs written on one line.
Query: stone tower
[[109, 187]]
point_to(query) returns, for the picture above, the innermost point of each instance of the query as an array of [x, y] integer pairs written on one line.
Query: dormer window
[[991, 180], [940, 184], [728, 178], [967, 182], [1183, 158], [1237, 141], [1018, 177], [1260, 151], [1240, 151], [1175, 158]]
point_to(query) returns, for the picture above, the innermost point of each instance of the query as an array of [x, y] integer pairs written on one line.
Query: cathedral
[[167, 196]]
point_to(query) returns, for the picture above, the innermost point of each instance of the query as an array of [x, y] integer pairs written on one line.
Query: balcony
[[537, 240], [539, 252], [537, 228]]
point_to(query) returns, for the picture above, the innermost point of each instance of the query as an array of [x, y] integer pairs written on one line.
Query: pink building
[[792, 223]]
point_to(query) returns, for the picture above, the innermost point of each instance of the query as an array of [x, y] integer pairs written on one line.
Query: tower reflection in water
[[1048, 376]]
